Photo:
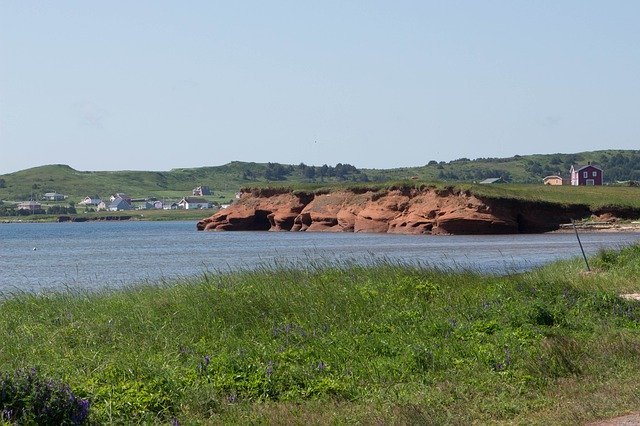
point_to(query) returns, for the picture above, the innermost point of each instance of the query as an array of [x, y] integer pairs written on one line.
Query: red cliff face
[[402, 211]]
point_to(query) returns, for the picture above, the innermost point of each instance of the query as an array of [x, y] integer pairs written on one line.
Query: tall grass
[[374, 344]]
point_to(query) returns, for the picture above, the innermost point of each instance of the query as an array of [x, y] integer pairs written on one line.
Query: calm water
[[99, 254]]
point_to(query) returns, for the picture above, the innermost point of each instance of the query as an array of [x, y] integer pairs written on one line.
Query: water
[[111, 254]]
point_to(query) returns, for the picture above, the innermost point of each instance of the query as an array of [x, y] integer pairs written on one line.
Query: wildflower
[[270, 369], [207, 360], [321, 366], [232, 399], [83, 411], [175, 422], [7, 415]]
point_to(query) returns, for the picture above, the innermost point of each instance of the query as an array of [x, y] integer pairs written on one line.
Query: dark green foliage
[[26, 397]]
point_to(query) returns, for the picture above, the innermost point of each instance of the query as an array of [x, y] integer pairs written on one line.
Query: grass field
[[592, 196], [343, 344]]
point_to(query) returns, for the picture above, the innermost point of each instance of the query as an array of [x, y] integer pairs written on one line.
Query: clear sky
[[154, 85]]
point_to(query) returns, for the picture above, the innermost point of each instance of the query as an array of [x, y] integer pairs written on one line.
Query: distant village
[[122, 202]]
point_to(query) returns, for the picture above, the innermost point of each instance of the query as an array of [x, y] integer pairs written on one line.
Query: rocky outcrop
[[399, 210]]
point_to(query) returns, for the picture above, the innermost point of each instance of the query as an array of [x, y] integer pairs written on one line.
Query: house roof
[[492, 180], [118, 201], [578, 167], [194, 200], [552, 177]]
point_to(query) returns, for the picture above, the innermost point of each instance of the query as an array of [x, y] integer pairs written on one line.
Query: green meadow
[[340, 344]]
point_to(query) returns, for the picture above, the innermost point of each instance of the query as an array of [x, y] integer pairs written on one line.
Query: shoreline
[[587, 227], [596, 227]]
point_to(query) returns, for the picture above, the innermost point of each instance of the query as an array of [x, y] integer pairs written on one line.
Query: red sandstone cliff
[[402, 210]]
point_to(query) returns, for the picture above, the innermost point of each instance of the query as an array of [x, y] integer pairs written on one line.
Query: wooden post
[[580, 243]]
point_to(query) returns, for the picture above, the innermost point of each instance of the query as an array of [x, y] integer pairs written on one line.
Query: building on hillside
[[91, 200], [53, 196], [152, 205], [552, 180], [29, 205], [492, 180], [189, 203], [202, 190], [586, 175], [119, 204], [121, 195]]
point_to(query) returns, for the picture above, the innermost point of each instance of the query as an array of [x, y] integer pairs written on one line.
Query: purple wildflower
[[322, 366], [6, 414], [270, 369]]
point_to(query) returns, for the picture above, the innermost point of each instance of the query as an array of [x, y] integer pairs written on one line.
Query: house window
[[594, 174], [585, 174]]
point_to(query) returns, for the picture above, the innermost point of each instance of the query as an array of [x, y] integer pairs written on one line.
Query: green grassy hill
[[618, 165], [226, 179]]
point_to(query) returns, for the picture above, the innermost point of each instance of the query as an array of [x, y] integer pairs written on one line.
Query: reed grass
[[382, 343]]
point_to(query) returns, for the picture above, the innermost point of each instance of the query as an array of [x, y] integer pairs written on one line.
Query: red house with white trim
[[586, 175]]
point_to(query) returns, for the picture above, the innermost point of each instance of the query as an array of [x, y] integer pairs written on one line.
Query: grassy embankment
[[595, 197], [344, 344]]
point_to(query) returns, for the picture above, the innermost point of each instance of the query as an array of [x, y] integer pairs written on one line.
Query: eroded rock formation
[[401, 210]]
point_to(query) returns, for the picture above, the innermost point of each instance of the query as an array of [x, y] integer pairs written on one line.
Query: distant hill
[[618, 165]]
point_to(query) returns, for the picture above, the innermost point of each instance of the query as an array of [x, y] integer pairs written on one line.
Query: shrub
[[27, 398]]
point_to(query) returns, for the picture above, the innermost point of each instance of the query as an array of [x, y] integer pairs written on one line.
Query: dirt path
[[628, 420]]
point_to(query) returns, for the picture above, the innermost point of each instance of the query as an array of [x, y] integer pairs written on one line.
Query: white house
[[189, 203], [91, 200]]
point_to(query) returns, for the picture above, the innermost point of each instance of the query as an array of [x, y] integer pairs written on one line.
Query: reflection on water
[[99, 254]]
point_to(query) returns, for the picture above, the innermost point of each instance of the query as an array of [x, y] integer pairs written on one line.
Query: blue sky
[[154, 85]]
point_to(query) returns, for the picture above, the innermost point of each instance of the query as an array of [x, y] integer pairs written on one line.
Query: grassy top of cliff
[[595, 197], [224, 180], [340, 344]]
